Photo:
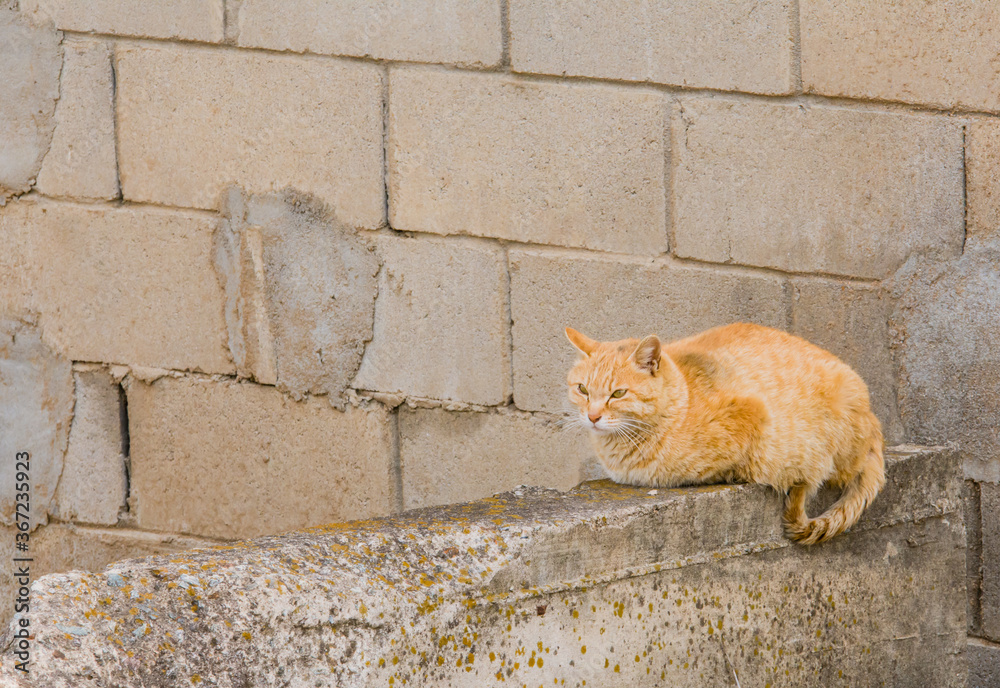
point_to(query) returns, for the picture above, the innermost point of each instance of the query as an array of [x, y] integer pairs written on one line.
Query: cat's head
[[617, 387]]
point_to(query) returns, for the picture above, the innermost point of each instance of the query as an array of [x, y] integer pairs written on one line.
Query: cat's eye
[[582, 389], [618, 393]]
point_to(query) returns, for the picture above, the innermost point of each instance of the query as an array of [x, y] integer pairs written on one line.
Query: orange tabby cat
[[739, 403]]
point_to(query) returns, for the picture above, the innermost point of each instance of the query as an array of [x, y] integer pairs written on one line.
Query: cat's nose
[[594, 417]]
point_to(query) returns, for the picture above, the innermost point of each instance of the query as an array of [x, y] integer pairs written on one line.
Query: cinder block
[[17, 262], [741, 45], [851, 321], [443, 31], [265, 122], [230, 459], [195, 20], [984, 664], [441, 322], [31, 57], [936, 53], [611, 299], [990, 601], [982, 161], [815, 189], [458, 457], [553, 163], [93, 486], [127, 285], [58, 547], [81, 162], [945, 322]]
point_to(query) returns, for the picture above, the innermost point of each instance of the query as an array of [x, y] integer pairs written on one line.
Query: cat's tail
[[845, 512]]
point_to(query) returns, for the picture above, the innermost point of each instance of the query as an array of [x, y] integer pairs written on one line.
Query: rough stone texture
[[609, 299], [741, 45], [265, 122], [31, 57], [982, 161], [814, 189], [128, 285], [945, 326], [498, 156], [17, 295], [230, 459], [990, 510], [60, 547], [451, 31], [196, 20], [36, 408], [81, 161], [93, 486], [524, 586], [852, 321], [940, 53], [457, 457], [973, 556], [984, 664], [300, 293], [441, 323]]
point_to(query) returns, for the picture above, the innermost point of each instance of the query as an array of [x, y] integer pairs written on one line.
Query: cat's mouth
[[602, 426], [633, 432]]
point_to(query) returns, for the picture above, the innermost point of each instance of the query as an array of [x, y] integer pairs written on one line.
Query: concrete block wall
[[272, 264]]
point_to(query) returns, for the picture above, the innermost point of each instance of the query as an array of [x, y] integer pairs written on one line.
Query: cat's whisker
[[572, 422], [639, 431], [623, 432], [637, 442], [638, 422]]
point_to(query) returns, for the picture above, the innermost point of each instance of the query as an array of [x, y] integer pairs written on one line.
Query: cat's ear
[[584, 344], [647, 355]]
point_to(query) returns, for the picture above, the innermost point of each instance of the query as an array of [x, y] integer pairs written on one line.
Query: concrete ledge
[[605, 584]]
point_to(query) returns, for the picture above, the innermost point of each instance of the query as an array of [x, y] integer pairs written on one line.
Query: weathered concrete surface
[[608, 584], [939, 52], [990, 530], [265, 122], [198, 20], [131, 284], [730, 45], [31, 57], [851, 321], [451, 31], [81, 161], [229, 459], [36, 409], [93, 485], [973, 555], [300, 293], [814, 189], [59, 547], [984, 664], [982, 170], [441, 322], [499, 156], [945, 326], [448, 457]]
